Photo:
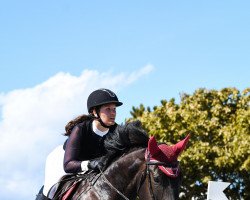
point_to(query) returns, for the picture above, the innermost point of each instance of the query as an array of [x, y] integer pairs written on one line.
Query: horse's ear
[[152, 146], [180, 146]]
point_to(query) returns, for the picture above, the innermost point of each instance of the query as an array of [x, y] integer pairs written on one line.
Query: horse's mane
[[124, 138]]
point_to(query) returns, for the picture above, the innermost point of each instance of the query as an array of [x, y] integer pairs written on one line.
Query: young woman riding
[[86, 139], [84, 148]]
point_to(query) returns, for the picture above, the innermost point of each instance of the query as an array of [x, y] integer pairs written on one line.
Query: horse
[[143, 169]]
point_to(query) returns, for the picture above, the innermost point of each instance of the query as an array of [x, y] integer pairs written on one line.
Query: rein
[[148, 163], [110, 184], [148, 173], [145, 174]]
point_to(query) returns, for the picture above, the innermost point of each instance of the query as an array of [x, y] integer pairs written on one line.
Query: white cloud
[[33, 119]]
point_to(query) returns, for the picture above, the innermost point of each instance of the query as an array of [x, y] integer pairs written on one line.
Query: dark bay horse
[[145, 169]]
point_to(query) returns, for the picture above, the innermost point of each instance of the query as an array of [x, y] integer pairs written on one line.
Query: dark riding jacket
[[83, 144]]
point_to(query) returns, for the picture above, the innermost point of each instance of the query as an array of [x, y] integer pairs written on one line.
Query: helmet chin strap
[[97, 111], [101, 122]]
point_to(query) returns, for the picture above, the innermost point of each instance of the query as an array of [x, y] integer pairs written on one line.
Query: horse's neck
[[127, 171]]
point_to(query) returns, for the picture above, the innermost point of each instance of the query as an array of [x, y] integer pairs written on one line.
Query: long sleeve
[[72, 161]]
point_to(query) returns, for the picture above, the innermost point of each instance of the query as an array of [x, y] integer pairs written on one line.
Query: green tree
[[138, 112], [219, 147]]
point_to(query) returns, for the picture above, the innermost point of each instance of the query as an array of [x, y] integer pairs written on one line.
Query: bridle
[[146, 174], [154, 162], [143, 178]]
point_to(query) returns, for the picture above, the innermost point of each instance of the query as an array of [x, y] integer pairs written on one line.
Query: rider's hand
[[96, 165]]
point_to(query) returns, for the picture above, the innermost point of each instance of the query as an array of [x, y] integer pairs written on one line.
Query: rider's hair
[[70, 125]]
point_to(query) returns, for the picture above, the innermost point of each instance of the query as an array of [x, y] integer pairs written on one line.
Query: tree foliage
[[219, 147]]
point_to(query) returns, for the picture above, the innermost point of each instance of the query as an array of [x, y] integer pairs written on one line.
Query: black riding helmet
[[100, 97]]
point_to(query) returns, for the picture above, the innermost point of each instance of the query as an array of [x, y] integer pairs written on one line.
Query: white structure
[[215, 190]]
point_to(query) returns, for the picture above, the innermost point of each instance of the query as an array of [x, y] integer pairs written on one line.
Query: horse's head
[[163, 174]]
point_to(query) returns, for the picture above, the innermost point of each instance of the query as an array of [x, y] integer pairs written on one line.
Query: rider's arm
[[72, 162]]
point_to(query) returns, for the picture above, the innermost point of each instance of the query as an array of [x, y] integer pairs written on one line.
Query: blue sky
[[54, 53]]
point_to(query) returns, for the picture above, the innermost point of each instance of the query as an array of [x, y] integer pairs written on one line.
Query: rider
[[85, 140], [86, 135]]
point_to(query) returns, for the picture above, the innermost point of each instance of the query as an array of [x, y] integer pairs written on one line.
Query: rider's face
[[108, 114]]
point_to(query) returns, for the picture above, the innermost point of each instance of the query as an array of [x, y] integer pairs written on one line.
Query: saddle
[[65, 188]]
